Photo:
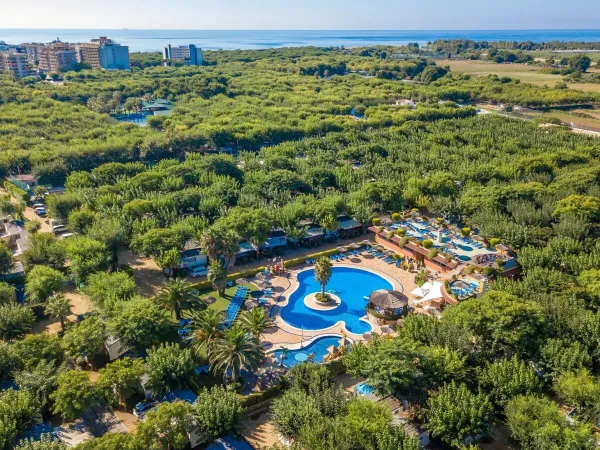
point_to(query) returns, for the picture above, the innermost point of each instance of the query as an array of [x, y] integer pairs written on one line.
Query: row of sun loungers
[[234, 306]]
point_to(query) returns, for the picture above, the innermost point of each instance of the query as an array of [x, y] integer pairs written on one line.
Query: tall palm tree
[[176, 295], [217, 275], [256, 321], [235, 350], [58, 308], [323, 272], [220, 243], [206, 327]]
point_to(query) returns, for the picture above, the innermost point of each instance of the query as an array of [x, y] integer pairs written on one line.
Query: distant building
[[15, 63], [33, 53], [189, 54], [56, 57], [103, 53], [191, 256]]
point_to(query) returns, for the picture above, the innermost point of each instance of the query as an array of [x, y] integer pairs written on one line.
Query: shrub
[[16, 191], [403, 241], [400, 231], [376, 221], [494, 242], [396, 217], [465, 231], [427, 243], [432, 253]]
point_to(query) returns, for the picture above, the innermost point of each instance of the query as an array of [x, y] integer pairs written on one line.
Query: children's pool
[[318, 349], [348, 283]]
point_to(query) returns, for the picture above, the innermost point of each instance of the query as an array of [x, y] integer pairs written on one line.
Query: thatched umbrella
[[209, 300], [354, 246], [367, 242], [264, 275], [242, 281], [341, 249], [476, 237], [250, 304], [388, 300], [367, 335]]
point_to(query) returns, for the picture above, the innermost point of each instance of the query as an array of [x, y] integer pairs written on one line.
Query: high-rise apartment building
[[56, 57], [189, 54], [103, 53], [15, 63], [33, 52]]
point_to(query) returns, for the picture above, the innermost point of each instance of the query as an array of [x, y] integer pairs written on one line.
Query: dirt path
[[80, 304], [148, 276]]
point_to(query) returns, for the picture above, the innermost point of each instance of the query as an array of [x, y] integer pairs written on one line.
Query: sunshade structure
[[341, 249], [354, 246], [388, 299], [264, 275], [250, 304], [429, 291], [242, 281], [367, 242], [209, 300], [389, 303]]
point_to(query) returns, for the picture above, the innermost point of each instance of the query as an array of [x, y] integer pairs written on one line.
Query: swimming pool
[[318, 347], [348, 283]]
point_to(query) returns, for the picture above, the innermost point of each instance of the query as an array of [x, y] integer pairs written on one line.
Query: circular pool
[[350, 284]]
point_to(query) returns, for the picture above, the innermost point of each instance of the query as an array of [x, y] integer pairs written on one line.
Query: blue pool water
[[348, 283], [229, 443], [464, 247], [318, 347]]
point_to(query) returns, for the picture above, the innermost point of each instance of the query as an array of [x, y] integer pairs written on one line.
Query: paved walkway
[[287, 336]]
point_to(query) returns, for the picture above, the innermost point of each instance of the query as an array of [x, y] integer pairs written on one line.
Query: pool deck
[[285, 335]]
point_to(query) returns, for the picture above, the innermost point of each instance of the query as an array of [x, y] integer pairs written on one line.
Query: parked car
[[199, 271], [40, 212], [57, 229], [38, 205], [142, 408]]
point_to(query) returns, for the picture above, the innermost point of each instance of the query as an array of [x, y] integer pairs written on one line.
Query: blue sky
[[303, 14]]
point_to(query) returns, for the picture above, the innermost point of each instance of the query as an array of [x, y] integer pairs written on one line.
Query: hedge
[[16, 191], [249, 273]]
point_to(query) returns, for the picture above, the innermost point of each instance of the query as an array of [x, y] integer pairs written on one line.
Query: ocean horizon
[[140, 40]]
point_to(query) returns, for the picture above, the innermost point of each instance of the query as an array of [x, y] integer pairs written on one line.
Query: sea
[[155, 40]]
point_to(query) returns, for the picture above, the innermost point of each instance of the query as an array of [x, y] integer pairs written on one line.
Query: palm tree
[[235, 350], [206, 327], [217, 275], [256, 321], [219, 242], [176, 295], [323, 272], [58, 308]]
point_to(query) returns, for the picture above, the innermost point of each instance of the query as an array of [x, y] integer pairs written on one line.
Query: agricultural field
[[524, 72]]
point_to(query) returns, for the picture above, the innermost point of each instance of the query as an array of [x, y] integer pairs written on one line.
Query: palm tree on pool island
[[323, 268], [234, 351]]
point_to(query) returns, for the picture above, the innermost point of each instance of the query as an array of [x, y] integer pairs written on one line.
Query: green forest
[[270, 138]]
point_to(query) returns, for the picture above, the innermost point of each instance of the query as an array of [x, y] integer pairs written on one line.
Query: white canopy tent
[[432, 291]]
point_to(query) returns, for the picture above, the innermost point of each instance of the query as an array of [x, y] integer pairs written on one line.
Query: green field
[[524, 72]]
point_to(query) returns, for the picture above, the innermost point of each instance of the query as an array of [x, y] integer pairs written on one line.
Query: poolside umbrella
[[476, 237], [367, 242], [367, 335], [264, 275], [386, 329], [250, 304], [341, 249], [242, 281], [455, 229], [385, 299], [354, 246], [209, 300], [332, 350]]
